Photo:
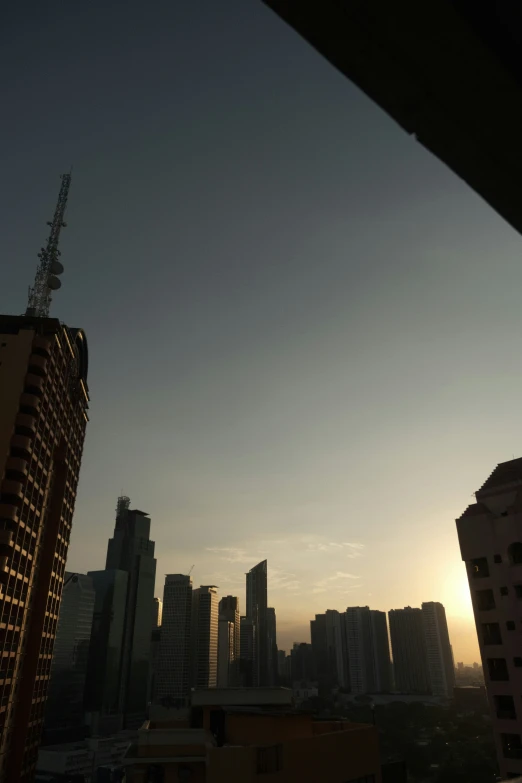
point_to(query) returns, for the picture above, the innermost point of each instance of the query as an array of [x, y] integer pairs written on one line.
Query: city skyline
[[322, 382]]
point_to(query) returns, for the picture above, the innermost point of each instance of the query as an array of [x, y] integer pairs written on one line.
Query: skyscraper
[[438, 649], [271, 632], [490, 537], [327, 636], [408, 643], [204, 636], [173, 678], [104, 670], [229, 611], [132, 551], [64, 715], [157, 611], [226, 655], [248, 673], [43, 415], [256, 606], [380, 651]]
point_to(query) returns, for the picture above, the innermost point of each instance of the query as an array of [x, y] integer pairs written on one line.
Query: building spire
[[49, 267]]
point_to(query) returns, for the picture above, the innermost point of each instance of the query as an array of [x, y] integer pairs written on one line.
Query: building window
[[518, 591], [503, 591], [270, 759], [511, 746], [517, 661], [515, 553], [510, 625], [491, 633], [486, 600], [479, 567], [498, 671], [505, 707]]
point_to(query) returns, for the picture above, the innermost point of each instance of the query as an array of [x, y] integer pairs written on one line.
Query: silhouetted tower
[[46, 280]]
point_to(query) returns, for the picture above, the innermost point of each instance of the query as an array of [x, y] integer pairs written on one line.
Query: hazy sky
[[304, 330]]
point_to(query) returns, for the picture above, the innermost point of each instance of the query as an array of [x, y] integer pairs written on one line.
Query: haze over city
[[303, 327]]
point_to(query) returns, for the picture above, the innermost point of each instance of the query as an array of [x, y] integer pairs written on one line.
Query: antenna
[[191, 567], [49, 267]]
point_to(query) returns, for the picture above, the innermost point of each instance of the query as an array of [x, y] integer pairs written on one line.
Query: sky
[[303, 328]]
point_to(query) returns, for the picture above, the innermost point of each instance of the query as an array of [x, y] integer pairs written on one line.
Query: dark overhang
[[448, 71]]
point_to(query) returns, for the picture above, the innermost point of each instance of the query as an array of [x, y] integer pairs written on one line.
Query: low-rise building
[[244, 734]]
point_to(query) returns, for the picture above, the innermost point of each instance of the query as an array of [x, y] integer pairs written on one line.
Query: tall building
[[438, 649], [380, 652], [205, 613], [256, 606], [302, 667], [247, 671], [173, 679], [157, 611], [271, 632], [229, 612], [132, 551], [408, 643], [327, 635], [229, 609], [226, 654], [103, 684], [65, 712], [490, 537], [43, 416]]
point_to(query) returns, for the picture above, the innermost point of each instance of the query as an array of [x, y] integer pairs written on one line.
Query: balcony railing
[[506, 714]]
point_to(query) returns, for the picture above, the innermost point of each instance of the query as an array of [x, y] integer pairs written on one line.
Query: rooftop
[[505, 474], [242, 697]]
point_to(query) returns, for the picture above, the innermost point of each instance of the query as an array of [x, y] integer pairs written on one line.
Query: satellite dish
[[53, 283], [56, 268]]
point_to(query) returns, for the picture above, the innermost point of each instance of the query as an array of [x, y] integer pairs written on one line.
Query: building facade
[[173, 678], [490, 537], [247, 671], [226, 655], [410, 663], [65, 710], [441, 668], [103, 684], [229, 610], [43, 416], [131, 550], [271, 631], [328, 636], [205, 615], [157, 611], [256, 609], [380, 652]]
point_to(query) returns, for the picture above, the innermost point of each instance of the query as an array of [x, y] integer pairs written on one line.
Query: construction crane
[[191, 567]]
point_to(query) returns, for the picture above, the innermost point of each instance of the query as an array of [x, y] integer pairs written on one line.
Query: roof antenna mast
[[49, 267]]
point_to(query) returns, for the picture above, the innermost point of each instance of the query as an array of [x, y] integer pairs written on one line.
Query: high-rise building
[[155, 639], [157, 610], [380, 651], [43, 415], [368, 650], [205, 615], [438, 649], [327, 635], [132, 551], [103, 684], [247, 671], [65, 712], [226, 655], [490, 537], [229, 609], [271, 632], [410, 663], [302, 667], [173, 680], [256, 606]]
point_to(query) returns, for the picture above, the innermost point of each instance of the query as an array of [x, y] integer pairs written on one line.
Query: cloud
[[347, 548], [232, 554], [328, 583]]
